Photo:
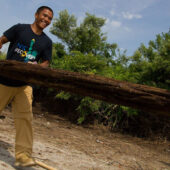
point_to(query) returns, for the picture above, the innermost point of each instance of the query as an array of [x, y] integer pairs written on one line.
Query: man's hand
[[3, 40], [45, 63], [32, 62], [0, 43]]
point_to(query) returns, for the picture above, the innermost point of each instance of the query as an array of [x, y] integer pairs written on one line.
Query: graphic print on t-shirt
[[30, 54]]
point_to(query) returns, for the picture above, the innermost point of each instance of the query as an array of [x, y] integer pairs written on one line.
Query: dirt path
[[69, 147]]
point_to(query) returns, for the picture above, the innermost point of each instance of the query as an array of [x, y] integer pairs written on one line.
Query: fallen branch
[[137, 96], [43, 165]]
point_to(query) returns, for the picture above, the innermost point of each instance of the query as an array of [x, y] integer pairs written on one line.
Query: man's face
[[43, 18]]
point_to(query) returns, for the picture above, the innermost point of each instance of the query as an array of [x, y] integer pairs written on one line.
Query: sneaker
[[23, 160]]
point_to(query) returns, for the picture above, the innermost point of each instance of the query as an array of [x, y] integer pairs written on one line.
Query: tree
[[86, 38], [89, 52], [151, 65], [64, 28]]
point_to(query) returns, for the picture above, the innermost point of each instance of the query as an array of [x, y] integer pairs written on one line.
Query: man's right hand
[[0, 44], [3, 40]]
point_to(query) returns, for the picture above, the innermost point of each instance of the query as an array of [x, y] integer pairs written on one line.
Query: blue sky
[[128, 22]]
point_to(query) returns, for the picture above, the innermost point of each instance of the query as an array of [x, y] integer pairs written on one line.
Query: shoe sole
[[18, 164]]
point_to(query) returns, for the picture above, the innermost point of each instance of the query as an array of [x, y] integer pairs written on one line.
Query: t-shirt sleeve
[[47, 52], [11, 33]]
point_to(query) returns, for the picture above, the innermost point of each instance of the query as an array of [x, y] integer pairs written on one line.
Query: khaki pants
[[21, 98]]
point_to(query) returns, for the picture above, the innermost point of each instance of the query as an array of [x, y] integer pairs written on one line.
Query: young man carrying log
[[28, 43]]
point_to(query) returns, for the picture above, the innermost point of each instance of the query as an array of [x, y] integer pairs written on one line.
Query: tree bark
[[137, 96]]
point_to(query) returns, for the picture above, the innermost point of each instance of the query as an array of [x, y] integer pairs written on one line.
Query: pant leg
[[6, 95], [22, 109]]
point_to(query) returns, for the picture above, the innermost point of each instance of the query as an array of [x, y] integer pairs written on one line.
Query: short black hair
[[42, 8]]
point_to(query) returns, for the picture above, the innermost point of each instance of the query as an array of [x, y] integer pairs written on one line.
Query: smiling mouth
[[43, 23]]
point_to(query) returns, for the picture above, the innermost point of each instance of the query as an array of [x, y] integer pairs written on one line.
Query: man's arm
[[3, 40]]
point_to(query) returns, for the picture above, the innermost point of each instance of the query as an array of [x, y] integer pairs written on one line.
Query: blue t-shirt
[[26, 46]]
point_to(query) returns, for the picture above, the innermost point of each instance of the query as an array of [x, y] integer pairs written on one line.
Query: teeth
[[43, 22]]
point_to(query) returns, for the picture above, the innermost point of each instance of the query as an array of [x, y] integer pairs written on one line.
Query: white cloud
[[112, 12], [116, 24], [116, 29], [127, 29], [107, 21], [112, 24], [135, 6], [128, 15]]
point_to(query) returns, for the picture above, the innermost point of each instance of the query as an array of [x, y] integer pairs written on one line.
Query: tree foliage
[[2, 56], [85, 49], [85, 38], [151, 65]]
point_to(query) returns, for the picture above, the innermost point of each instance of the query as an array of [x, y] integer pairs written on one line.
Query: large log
[[137, 96]]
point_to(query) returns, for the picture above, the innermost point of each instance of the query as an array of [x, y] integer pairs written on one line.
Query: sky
[[128, 22]]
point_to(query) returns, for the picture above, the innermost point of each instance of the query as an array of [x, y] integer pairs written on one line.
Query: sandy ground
[[66, 146]]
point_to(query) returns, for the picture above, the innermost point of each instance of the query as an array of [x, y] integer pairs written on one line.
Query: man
[[28, 43]]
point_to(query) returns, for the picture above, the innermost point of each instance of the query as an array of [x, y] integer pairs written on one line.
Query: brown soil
[[66, 146]]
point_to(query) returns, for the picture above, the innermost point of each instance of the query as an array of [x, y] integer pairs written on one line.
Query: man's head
[[43, 17]]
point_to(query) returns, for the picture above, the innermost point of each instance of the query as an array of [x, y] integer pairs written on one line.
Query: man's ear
[[36, 15]]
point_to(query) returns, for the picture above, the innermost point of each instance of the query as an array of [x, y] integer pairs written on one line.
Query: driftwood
[[137, 96], [43, 165]]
